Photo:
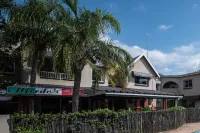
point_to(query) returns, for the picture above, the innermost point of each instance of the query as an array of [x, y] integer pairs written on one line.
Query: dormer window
[[141, 78], [141, 81]]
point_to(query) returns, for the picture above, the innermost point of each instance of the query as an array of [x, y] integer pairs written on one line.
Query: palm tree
[[81, 45], [5, 7], [33, 24]]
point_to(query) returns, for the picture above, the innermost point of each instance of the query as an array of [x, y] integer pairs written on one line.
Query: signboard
[[48, 91], [69, 92], [14, 90], [3, 96]]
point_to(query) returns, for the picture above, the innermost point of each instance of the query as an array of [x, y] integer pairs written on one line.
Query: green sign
[[20, 90]]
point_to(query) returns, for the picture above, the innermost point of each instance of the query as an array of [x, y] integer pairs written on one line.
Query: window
[[170, 84], [141, 81], [187, 84], [157, 86]]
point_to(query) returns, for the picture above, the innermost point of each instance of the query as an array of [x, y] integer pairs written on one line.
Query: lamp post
[[147, 35]]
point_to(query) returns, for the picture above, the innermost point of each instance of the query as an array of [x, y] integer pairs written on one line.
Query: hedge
[[98, 121]]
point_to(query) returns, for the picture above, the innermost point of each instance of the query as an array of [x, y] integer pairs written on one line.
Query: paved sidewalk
[[186, 128], [3, 124]]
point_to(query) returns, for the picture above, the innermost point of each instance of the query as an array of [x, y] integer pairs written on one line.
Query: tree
[[81, 44], [5, 6], [33, 25]]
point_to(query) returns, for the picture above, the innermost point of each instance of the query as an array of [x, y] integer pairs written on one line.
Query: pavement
[[4, 128], [186, 128]]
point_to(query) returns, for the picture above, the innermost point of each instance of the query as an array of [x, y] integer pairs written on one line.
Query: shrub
[[146, 108], [99, 119], [176, 108]]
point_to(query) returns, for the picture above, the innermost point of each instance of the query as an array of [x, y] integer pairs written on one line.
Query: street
[[3, 124]]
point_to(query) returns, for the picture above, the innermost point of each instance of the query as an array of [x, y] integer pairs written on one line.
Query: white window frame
[[188, 84], [141, 84]]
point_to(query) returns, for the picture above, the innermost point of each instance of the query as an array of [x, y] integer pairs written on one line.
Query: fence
[[54, 75], [141, 122]]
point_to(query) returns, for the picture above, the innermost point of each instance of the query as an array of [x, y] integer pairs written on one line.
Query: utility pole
[[147, 35]]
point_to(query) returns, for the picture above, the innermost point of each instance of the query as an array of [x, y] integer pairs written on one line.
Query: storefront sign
[[14, 90], [48, 91], [3, 96], [69, 92]]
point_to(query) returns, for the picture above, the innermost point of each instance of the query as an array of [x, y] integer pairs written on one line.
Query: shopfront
[[8, 104], [57, 100], [43, 100]]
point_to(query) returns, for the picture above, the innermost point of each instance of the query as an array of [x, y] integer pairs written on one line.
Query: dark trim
[[187, 88], [136, 84]]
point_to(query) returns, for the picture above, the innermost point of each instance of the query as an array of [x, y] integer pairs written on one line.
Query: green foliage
[[146, 108], [99, 119], [24, 130], [176, 108]]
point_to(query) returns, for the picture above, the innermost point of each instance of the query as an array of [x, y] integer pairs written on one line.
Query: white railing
[[54, 75]]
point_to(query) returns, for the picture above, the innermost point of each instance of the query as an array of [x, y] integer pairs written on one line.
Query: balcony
[[54, 75]]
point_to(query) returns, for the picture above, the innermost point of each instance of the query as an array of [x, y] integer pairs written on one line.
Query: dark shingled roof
[[134, 91]]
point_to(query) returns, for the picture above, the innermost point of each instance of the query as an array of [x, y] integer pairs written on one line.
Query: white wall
[[86, 78], [195, 90], [142, 66]]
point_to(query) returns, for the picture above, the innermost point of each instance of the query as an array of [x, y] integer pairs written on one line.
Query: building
[[53, 91], [186, 84]]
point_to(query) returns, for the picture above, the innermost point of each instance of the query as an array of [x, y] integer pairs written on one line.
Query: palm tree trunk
[[75, 97], [34, 67], [33, 77]]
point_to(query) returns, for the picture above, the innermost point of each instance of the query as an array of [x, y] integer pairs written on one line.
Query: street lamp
[[147, 35]]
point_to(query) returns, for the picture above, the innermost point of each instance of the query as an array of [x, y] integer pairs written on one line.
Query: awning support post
[[164, 104], [137, 105], [146, 103], [176, 102]]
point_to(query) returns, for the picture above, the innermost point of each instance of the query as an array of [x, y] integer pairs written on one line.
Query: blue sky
[[173, 25]]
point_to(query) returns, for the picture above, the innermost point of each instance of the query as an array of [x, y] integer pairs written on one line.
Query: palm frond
[[73, 4]]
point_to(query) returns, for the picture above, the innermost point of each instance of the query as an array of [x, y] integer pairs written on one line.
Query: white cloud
[[112, 6], [164, 27], [185, 49], [195, 6], [178, 61], [191, 48], [167, 70], [140, 8]]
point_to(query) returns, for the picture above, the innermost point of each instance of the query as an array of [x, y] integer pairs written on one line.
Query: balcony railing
[[54, 75]]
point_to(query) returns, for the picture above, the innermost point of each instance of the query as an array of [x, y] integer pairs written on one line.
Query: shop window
[[191, 104], [187, 84], [141, 81], [170, 84]]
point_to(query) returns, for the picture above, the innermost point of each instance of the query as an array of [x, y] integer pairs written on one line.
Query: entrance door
[[50, 105]]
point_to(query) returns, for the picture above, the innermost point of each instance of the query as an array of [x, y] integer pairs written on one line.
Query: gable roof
[[143, 55]]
